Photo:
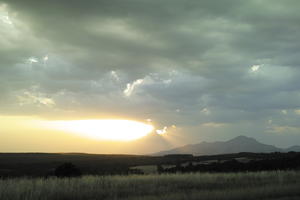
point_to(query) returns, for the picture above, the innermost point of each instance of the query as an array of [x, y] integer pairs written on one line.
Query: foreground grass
[[279, 185]]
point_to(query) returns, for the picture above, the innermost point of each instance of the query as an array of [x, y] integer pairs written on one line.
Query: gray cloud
[[194, 59]]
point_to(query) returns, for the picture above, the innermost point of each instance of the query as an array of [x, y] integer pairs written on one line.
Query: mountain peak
[[243, 139], [235, 145]]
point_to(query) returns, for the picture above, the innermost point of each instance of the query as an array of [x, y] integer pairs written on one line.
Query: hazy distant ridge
[[235, 145]]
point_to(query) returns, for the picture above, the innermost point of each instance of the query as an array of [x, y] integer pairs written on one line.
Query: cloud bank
[[231, 64]]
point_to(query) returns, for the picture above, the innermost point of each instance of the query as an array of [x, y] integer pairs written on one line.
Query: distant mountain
[[235, 145], [293, 148]]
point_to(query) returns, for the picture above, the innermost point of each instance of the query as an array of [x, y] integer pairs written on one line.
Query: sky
[[197, 70]]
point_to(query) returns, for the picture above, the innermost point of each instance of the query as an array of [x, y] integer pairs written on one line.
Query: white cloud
[[284, 112], [162, 131], [115, 75], [34, 98], [255, 68], [213, 124], [167, 81], [5, 19], [132, 86], [32, 60], [46, 58], [206, 111]]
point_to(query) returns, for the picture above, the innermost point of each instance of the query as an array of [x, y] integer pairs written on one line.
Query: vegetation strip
[[261, 185]]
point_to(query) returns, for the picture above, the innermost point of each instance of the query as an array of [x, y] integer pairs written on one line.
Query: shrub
[[67, 170]]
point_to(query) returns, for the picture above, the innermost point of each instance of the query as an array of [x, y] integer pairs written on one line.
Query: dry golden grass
[[279, 185]]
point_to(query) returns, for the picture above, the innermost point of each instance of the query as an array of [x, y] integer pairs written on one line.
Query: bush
[[67, 170]]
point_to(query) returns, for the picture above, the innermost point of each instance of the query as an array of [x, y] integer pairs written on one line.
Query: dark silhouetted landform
[[284, 161], [46, 165], [235, 145], [221, 157]]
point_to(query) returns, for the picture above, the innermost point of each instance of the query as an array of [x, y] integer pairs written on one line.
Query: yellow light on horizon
[[108, 129]]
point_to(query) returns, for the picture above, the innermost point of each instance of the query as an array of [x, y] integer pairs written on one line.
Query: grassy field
[[279, 185]]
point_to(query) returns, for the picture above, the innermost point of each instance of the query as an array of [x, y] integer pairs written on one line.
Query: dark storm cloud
[[177, 62]]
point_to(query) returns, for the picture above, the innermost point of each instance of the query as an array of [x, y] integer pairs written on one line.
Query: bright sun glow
[[124, 130]]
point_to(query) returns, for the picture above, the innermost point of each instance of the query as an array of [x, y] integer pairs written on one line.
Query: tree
[[67, 170], [159, 168]]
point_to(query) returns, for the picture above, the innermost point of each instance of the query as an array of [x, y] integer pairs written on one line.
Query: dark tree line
[[233, 165], [67, 170], [45, 165]]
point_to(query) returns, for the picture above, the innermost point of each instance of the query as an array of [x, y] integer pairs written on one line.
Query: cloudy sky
[[200, 70]]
